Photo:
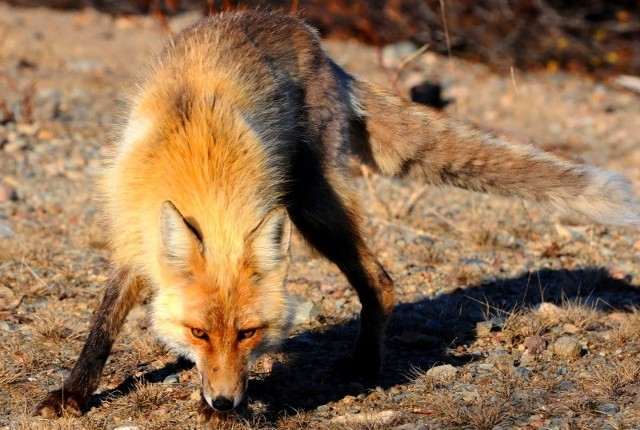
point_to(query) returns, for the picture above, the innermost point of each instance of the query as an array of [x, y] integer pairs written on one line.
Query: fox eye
[[199, 333], [246, 334]]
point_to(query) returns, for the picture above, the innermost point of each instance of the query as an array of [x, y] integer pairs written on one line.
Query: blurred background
[[601, 37]]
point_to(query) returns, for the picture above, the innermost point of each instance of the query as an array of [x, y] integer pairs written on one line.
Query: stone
[[567, 347], [535, 344], [443, 372]]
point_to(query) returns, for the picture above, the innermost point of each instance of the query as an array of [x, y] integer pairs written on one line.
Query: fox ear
[[180, 242], [270, 240]]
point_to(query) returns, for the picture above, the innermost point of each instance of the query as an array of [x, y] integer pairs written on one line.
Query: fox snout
[[223, 390]]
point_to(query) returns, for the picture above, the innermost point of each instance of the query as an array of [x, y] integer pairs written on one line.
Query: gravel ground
[[508, 315]]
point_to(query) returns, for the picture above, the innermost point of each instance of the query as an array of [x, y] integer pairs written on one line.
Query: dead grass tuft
[[143, 399], [629, 330], [608, 383], [9, 374], [52, 329], [482, 414], [522, 323]]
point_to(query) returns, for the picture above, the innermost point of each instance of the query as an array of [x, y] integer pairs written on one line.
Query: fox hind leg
[[122, 292], [329, 222]]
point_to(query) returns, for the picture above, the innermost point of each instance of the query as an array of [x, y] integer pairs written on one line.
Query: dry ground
[[528, 317]]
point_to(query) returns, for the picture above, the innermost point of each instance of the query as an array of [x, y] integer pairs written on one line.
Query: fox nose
[[222, 404]]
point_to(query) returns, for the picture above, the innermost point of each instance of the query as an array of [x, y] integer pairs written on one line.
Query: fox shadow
[[421, 334]]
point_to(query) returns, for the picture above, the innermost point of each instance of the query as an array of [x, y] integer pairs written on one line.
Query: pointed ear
[[180, 242], [270, 240]]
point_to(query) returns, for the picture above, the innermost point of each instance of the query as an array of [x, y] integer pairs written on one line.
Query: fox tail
[[400, 138]]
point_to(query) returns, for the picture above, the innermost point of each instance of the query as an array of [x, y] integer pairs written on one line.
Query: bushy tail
[[397, 138]]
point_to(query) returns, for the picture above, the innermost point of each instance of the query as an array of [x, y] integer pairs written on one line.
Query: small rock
[[565, 386], [8, 193], [323, 408], [444, 372], [523, 372], [572, 232], [6, 326], [486, 367], [567, 347], [483, 328], [570, 328], [535, 344], [549, 311], [28, 129], [85, 66], [6, 231], [171, 379], [410, 426], [127, 428], [394, 53], [366, 419], [498, 322], [305, 311], [527, 359], [608, 408]]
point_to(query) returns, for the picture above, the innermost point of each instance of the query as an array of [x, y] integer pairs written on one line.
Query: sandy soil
[[508, 315]]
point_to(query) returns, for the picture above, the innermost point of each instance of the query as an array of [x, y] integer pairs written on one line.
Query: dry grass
[[481, 414], [610, 382], [628, 331]]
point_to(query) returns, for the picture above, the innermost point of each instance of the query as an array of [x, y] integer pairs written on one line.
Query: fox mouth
[[221, 403]]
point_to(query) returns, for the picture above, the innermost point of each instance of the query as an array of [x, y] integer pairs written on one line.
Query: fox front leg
[[122, 291]]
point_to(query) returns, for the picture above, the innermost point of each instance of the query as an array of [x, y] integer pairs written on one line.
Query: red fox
[[243, 128]]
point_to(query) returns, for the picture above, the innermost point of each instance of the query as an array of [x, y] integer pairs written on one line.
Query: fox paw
[[60, 403]]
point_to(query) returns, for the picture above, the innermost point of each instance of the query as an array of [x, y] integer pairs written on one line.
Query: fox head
[[222, 311]]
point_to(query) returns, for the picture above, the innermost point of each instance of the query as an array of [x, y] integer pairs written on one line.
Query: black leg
[[330, 223], [122, 292]]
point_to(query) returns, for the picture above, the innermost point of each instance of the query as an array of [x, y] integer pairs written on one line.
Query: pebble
[[523, 372], [28, 129], [85, 65], [305, 311], [6, 326], [323, 408], [535, 344], [8, 193], [527, 359], [6, 231], [443, 372], [127, 428], [565, 386], [366, 419], [410, 426], [567, 347], [608, 408], [396, 52], [171, 379], [483, 328]]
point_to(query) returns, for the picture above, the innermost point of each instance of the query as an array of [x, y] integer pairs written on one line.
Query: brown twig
[[7, 115], [405, 62], [27, 103]]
